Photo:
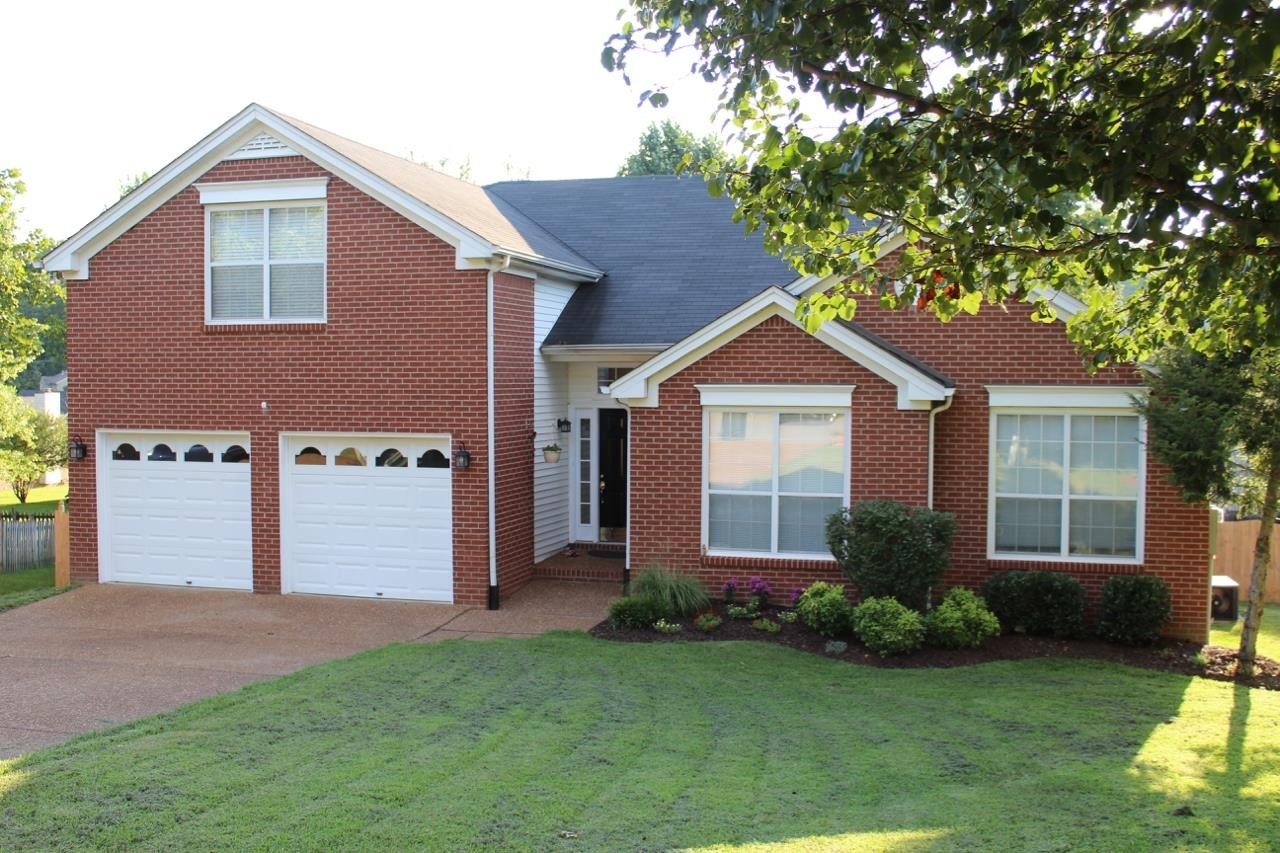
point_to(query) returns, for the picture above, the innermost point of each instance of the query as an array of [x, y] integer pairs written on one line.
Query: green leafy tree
[[132, 182], [1120, 149], [23, 286], [1207, 412], [52, 359], [666, 148], [32, 443]]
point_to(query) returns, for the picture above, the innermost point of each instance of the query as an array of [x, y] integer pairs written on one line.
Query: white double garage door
[[360, 515]]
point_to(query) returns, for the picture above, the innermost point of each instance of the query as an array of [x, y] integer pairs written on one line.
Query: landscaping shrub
[[707, 622], [787, 617], [682, 594], [1039, 603], [1134, 609], [888, 627], [662, 626], [637, 611], [889, 549], [961, 621], [824, 608]]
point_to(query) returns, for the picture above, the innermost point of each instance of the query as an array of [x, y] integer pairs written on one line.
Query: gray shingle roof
[[674, 260]]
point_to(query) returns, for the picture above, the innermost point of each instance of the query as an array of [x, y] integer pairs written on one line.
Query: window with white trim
[[772, 479], [266, 263], [1067, 485]]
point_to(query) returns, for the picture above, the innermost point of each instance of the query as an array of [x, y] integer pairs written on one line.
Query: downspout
[[491, 473], [933, 413]]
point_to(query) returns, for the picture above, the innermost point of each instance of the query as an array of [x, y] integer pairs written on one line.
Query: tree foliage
[[1122, 149], [31, 443], [666, 148], [23, 287], [1205, 413]]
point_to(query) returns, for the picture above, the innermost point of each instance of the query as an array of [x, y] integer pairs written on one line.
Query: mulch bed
[[1167, 656]]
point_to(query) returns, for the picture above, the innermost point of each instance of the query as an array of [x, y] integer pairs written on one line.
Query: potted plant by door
[[551, 453]]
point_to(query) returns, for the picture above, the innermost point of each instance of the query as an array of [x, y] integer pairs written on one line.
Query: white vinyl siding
[[772, 479], [550, 404], [266, 263], [1067, 485]]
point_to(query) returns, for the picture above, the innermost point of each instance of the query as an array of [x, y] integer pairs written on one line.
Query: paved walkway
[[102, 655]]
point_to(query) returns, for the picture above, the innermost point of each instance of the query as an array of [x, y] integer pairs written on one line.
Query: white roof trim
[[639, 388], [237, 192], [777, 396], [603, 354], [72, 257], [1062, 396]]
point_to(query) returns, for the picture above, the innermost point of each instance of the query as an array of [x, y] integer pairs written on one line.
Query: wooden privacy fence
[[26, 541], [1235, 557]]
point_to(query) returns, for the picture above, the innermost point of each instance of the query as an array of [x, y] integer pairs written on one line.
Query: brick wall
[[889, 449], [513, 428], [403, 351]]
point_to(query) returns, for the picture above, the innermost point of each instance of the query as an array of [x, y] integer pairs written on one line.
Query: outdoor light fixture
[[564, 425], [462, 459], [75, 449]]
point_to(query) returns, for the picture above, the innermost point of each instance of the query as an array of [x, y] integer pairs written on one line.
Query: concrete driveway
[[102, 655]]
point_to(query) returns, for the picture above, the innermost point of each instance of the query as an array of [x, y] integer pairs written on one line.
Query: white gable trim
[[238, 192], [639, 388], [777, 396], [72, 257], [262, 145]]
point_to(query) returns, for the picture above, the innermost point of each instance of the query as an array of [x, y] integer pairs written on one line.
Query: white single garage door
[[367, 516], [174, 509]]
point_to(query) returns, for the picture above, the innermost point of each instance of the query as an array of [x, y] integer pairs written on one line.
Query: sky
[[98, 92]]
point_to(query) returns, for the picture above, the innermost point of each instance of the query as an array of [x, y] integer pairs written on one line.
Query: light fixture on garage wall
[[462, 459], [75, 449], [564, 425]]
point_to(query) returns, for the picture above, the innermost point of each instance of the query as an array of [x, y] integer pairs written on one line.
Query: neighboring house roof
[[673, 257], [54, 382]]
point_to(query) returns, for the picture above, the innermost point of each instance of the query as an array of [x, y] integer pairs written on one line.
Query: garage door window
[[309, 456], [198, 453], [391, 458], [162, 453], [351, 457], [433, 459], [126, 453], [235, 453]]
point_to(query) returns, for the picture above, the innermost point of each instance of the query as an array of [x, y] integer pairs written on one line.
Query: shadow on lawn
[[506, 744]]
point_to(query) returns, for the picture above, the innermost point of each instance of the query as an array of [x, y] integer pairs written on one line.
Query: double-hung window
[[1067, 485], [265, 251], [772, 478]]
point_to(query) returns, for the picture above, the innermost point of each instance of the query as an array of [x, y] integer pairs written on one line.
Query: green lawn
[[39, 500], [504, 744], [1268, 634], [24, 587]]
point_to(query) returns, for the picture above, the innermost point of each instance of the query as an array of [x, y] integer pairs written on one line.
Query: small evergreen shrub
[[682, 594], [1134, 609], [891, 550], [1040, 603], [637, 611], [888, 627], [961, 621], [824, 608]]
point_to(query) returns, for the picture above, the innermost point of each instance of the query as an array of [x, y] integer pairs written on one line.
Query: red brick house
[[303, 365]]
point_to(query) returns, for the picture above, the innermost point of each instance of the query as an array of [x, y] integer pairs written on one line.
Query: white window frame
[[1064, 555], [774, 494], [266, 207]]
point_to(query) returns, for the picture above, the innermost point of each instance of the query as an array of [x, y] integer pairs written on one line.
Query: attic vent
[[262, 145]]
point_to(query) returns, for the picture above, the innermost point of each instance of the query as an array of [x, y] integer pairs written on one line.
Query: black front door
[[613, 469]]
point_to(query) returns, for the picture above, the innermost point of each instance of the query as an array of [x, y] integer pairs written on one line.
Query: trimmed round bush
[[888, 627], [824, 608], [637, 611], [961, 621], [1039, 603], [1134, 609], [890, 549]]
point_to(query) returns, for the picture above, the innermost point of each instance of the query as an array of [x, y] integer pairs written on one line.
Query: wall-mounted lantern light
[[564, 425], [75, 449], [462, 459]]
